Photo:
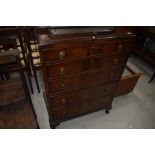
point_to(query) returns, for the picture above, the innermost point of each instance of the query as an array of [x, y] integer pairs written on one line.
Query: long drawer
[[92, 49], [99, 76], [90, 63], [81, 95], [84, 106]]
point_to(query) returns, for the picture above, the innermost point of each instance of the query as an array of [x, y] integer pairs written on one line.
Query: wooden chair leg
[[7, 76], [28, 41], [30, 83], [29, 75], [36, 80], [153, 76], [2, 78], [33, 69]]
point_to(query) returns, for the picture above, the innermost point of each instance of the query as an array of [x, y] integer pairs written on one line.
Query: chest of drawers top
[[46, 40]]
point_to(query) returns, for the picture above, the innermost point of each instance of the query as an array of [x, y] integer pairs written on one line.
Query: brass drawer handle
[[120, 48], [63, 113], [63, 100], [62, 70], [107, 89], [62, 86], [61, 54], [92, 60], [112, 75], [116, 61]]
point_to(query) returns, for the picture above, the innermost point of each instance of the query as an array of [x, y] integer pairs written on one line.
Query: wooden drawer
[[72, 110], [67, 53], [117, 47], [104, 75], [127, 82], [64, 112], [91, 63], [101, 47], [81, 95]]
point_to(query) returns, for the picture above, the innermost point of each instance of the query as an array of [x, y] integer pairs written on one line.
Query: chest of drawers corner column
[[81, 72]]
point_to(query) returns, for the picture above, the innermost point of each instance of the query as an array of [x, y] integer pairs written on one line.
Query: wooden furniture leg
[[153, 76]]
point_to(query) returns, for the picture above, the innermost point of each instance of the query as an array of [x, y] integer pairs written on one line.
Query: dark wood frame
[[7, 32], [7, 67], [141, 34], [28, 36]]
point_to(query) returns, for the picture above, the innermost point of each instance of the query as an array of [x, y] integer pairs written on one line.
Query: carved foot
[[54, 125], [153, 76], [107, 111]]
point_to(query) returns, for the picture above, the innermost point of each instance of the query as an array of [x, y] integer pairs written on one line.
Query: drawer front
[[96, 103], [101, 47], [63, 54], [91, 63], [81, 95], [65, 112], [85, 80], [117, 47], [72, 110]]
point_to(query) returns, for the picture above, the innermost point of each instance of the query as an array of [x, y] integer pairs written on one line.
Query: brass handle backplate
[[62, 85], [61, 54], [62, 70], [120, 48], [115, 61]]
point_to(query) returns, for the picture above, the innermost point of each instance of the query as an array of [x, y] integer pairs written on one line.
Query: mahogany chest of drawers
[[81, 71]]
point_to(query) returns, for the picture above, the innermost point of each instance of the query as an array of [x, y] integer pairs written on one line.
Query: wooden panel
[[11, 92], [67, 98], [91, 63], [65, 111], [127, 83], [96, 103], [17, 116], [81, 95], [104, 75], [117, 47], [66, 44], [65, 53], [72, 110], [103, 46]]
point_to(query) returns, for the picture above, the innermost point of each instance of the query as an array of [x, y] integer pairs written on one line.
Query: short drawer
[[85, 106], [101, 47], [91, 63], [100, 76], [67, 53], [81, 95], [117, 46]]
